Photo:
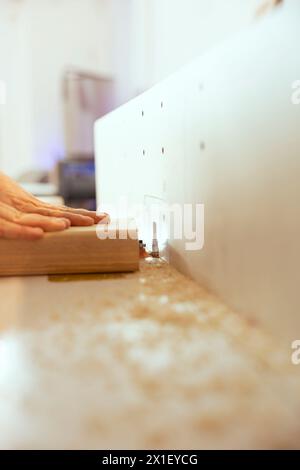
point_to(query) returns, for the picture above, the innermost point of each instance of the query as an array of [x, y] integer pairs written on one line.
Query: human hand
[[22, 216]]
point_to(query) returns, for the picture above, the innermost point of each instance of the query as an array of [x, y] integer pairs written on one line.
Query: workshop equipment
[[76, 182], [222, 132]]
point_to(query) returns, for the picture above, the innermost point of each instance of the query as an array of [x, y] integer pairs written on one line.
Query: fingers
[[24, 216], [97, 217], [47, 224], [77, 217], [11, 231]]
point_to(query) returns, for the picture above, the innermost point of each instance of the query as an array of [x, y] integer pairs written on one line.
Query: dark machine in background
[[76, 182], [86, 97]]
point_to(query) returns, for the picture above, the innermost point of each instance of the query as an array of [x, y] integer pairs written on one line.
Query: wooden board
[[76, 250]]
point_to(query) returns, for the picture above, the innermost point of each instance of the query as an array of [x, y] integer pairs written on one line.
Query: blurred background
[[68, 62]]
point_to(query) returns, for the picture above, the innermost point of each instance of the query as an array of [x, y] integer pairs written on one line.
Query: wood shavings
[[127, 359]]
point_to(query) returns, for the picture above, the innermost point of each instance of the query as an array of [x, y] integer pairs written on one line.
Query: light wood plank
[[76, 250]]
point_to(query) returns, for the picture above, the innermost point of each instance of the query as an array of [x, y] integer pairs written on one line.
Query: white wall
[[138, 42], [15, 131], [66, 33], [170, 33], [39, 39]]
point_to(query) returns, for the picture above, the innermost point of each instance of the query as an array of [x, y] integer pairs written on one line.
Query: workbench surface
[[142, 360]]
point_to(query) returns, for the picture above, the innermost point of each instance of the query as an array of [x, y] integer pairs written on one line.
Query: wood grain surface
[[76, 250]]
